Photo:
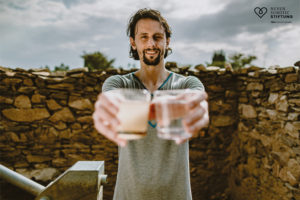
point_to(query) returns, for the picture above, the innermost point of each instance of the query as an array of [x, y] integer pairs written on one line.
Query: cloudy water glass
[[133, 112], [171, 107]]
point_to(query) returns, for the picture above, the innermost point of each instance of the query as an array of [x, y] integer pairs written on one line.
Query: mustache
[[155, 49]]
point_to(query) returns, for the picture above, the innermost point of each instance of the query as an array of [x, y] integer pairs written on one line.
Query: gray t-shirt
[[152, 168]]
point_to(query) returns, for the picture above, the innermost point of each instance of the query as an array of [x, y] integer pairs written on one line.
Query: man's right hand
[[105, 118]]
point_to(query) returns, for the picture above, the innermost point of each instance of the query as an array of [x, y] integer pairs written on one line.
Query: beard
[[154, 61]]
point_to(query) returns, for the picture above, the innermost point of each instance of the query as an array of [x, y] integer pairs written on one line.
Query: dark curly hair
[[143, 14]]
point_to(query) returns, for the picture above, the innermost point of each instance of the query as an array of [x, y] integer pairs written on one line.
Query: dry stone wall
[[250, 150]]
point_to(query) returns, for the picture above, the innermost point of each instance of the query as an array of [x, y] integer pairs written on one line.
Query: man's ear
[[132, 43], [168, 42]]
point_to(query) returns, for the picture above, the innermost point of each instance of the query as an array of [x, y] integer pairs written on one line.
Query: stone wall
[[249, 151], [265, 153]]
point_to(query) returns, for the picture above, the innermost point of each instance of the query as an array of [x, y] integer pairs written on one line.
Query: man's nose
[[150, 42]]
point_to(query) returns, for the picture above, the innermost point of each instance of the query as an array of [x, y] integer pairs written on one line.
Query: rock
[[11, 81], [25, 115], [41, 73], [62, 86], [273, 98], [85, 119], [64, 115], [281, 157], [44, 175], [59, 162], [282, 104], [292, 130], [291, 179], [77, 70], [255, 86], [37, 98], [13, 136], [272, 114], [294, 167], [248, 111], [284, 70], [26, 89], [293, 116], [296, 150], [22, 101], [60, 125], [28, 82], [222, 120], [291, 78], [6, 100], [212, 68], [53, 105], [294, 102], [81, 104], [265, 140], [37, 158]]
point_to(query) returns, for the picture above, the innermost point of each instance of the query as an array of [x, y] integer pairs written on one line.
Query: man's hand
[[105, 118], [197, 117], [196, 107]]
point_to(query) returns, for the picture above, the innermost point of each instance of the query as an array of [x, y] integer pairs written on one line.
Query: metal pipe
[[20, 181]]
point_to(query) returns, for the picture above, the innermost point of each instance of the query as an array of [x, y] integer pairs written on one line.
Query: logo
[[260, 12]]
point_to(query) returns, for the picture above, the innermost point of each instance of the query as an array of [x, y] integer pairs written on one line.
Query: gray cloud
[[33, 36]]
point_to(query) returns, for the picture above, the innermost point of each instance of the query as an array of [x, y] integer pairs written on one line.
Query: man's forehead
[[146, 26]]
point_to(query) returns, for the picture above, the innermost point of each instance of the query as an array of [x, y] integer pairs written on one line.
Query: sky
[[36, 33]]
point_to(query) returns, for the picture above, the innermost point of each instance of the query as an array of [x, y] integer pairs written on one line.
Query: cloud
[[40, 32]]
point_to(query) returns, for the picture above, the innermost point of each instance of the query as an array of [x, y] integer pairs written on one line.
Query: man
[[151, 168]]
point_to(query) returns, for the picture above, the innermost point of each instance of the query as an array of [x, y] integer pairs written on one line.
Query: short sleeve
[[112, 82], [192, 82]]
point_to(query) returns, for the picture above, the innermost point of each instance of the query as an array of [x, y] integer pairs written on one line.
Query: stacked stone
[[46, 122], [208, 152], [249, 151], [265, 152]]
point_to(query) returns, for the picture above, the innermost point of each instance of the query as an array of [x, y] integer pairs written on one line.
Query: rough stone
[[282, 104], [53, 105], [61, 86], [222, 120], [60, 125], [28, 82], [85, 119], [6, 100], [273, 97], [22, 101], [272, 114], [44, 175], [37, 158], [37, 98], [290, 78], [255, 86], [293, 116], [25, 115], [292, 130], [64, 115], [284, 70], [248, 111], [81, 104], [294, 167]]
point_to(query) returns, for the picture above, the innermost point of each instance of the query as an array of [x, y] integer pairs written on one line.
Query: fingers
[[200, 96], [198, 119], [106, 130], [105, 118]]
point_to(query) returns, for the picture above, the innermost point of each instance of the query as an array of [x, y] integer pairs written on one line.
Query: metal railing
[[83, 181]]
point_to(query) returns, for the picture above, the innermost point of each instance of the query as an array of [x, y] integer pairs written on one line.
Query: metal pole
[[20, 181]]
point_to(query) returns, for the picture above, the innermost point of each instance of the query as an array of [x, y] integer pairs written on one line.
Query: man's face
[[150, 41]]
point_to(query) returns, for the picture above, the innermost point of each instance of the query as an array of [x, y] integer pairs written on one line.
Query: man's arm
[[106, 109]]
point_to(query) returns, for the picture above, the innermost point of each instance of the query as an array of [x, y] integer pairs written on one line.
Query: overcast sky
[[35, 33]]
